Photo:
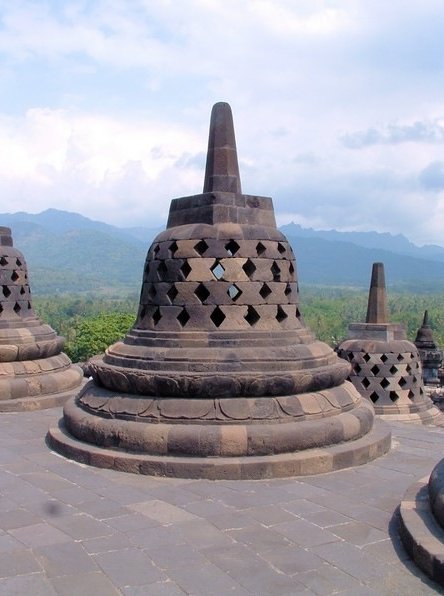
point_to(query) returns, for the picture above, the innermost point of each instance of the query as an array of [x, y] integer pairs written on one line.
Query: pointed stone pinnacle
[[377, 312], [222, 169], [425, 321]]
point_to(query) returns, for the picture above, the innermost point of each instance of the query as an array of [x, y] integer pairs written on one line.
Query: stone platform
[[67, 529]]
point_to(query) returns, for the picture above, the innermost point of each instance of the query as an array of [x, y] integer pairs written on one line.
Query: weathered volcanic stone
[[34, 372], [220, 377], [430, 355], [386, 368]]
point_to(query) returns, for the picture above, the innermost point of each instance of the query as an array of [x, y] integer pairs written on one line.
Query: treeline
[[93, 321]]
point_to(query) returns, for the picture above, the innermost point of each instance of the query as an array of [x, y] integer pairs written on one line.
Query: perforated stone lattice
[[15, 294], [386, 378], [225, 284]]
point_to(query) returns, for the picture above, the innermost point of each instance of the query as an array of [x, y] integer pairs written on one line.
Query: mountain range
[[67, 252]]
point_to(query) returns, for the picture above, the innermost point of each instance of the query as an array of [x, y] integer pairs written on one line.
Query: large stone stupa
[[34, 372], [220, 377], [386, 368]]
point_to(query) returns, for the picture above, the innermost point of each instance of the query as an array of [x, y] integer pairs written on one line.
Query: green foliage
[[93, 335]]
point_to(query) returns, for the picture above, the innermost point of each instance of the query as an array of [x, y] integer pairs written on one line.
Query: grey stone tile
[[161, 512], [17, 518], [22, 585], [201, 534], [291, 560], [326, 518], [233, 520], [129, 567], [8, 543], [130, 522], [82, 526], [157, 536], [270, 515], [48, 481], [40, 535], [178, 555], [117, 541], [84, 584], [102, 508], [358, 533], [262, 539], [167, 588], [206, 580], [68, 558], [351, 560], [18, 562], [305, 533], [327, 579]]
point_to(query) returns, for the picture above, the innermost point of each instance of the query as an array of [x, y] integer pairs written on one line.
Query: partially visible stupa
[[34, 372], [386, 368], [220, 377], [429, 353]]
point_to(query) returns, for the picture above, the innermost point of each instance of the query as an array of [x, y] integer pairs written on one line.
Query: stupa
[[34, 372], [430, 355], [220, 377], [386, 368]]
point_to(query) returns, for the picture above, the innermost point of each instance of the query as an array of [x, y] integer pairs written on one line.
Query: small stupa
[[386, 368], [429, 353], [220, 377], [34, 372]]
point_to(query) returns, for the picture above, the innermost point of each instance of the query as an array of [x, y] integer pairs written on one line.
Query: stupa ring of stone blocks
[[34, 372], [219, 376]]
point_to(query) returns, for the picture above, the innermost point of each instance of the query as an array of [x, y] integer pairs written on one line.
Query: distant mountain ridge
[[69, 252]]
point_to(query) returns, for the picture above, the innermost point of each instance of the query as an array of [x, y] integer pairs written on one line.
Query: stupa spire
[[377, 312], [222, 169]]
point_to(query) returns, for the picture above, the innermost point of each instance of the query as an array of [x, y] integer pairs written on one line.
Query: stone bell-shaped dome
[[34, 372], [386, 368], [220, 377], [429, 353]]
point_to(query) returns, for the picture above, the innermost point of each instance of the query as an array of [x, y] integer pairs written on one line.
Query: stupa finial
[[377, 312], [425, 321], [222, 169]]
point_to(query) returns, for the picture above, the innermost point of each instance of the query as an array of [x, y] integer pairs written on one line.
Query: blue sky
[[338, 107]]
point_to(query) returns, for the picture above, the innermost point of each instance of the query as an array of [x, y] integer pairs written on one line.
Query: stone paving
[[69, 529]]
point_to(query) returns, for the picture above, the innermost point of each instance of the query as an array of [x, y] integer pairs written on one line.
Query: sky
[[338, 107]]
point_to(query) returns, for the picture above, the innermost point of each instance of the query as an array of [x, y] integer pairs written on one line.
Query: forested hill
[[67, 252]]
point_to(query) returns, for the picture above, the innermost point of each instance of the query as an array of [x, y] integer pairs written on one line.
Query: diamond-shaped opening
[[1, 309], [22, 291], [252, 316], [357, 368], [276, 271], [17, 307], [400, 358], [351, 357], [374, 397], [366, 357], [281, 315], [265, 291], [375, 369], [365, 383], [152, 292], [201, 247], [281, 248], [234, 292], [156, 249], [172, 293], [183, 317], [217, 316], [298, 313], [18, 262], [408, 368], [217, 270], [202, 292], [232, 247], [393, 396], [402, 382], [393, 369], [287, 290], [6, 291], [29, 305], [260, 249], [411, 395], [157, 315], [384, 358], [142, 312], [291, 269], [249, 267], [385, 383], [186, 269], [173, 248], [3, 261], [162, 271], [14, 276]]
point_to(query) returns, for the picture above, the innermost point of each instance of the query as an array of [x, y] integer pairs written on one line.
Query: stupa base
[[428, 414], [421, 534], [301, 463]]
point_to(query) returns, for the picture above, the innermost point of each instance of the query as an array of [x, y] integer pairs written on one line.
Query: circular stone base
[[39, 402], [431, 415], [421, 534], [300, 463]]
